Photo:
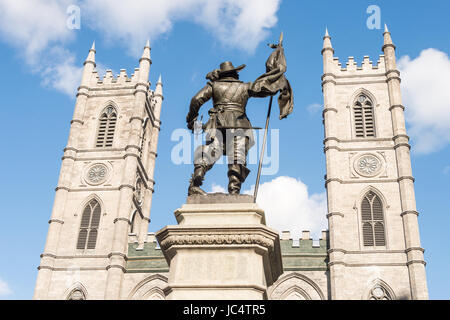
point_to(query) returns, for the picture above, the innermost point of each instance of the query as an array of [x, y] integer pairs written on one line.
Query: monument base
[[220, 249]]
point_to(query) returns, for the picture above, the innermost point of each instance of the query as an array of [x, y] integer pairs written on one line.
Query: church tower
[[105, 187], [375, 250]]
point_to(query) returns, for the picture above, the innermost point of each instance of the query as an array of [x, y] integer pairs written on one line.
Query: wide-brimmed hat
[[227, 66]]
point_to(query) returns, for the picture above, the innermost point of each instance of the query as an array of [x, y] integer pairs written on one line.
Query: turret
[[158, 97], [89, 66], [327, 53], [389, 50], [144, 63]]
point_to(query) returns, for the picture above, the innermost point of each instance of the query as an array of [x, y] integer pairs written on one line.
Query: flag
[[274, 81]]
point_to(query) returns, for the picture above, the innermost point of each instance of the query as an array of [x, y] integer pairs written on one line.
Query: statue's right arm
[[196, 102]]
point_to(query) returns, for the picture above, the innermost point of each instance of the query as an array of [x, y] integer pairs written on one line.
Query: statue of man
[[228, 129]]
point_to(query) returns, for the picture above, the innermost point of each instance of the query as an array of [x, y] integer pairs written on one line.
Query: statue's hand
[[190, 122]]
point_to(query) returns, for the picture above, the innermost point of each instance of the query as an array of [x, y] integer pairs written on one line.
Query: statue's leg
[[204, 158], [237, 170]]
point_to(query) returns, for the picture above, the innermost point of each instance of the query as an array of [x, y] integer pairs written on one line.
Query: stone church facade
[[98, 246]]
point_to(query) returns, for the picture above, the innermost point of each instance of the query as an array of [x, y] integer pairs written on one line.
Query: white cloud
[[426, 93], [289, 207], [217, 189], [38, 31], [313, 108], [4, 288], [236, 23], [34, 25]]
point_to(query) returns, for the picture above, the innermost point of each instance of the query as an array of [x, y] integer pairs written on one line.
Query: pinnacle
[[327, 40], [146, 52], [91, 54], [387, 36]]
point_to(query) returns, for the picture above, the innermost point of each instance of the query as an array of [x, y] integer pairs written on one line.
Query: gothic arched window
[[364, 117], [379, 293], [372, 221], [90, 219], [106, 128], [76, 294]]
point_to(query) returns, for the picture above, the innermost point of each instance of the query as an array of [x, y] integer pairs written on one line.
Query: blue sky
[[37, 102]]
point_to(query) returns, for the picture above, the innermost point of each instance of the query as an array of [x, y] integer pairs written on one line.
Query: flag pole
[[258, 176]]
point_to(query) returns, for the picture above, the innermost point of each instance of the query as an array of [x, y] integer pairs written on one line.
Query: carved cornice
[[116, 266], [129, 154], [387, 46], [410, 262], [381, 264], [329, 109], [69, 149], [136, 118], [159, 95], [217, 239], [70, 269], [68, 157], [145, 58], [126, 186], [122, 219], [140, 90], [406, 178], [332, 214], [82, 94], [120, 254], [365, 251], [393, 71], [328, 81], [56, 221], [76, 121], [325, 49], [62, 188], [354, 149], [415, 249], [397, 106], [364, 181], [401, 136], [402, 145], [404, 213], [132, 146], [328, 75], [394, 78], [330, 138]]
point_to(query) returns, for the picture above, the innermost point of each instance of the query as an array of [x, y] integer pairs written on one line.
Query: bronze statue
[[229, 131]]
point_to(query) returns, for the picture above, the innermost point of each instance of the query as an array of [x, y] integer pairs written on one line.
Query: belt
[[228, 107]]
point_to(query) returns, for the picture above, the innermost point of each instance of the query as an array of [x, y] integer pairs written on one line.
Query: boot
[[196, 181], [237, 173]]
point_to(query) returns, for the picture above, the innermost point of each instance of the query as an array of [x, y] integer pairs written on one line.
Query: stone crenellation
[[121, 79], [365, 67]]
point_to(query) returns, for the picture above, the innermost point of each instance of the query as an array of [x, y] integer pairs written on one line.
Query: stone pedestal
[[220, 249]]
